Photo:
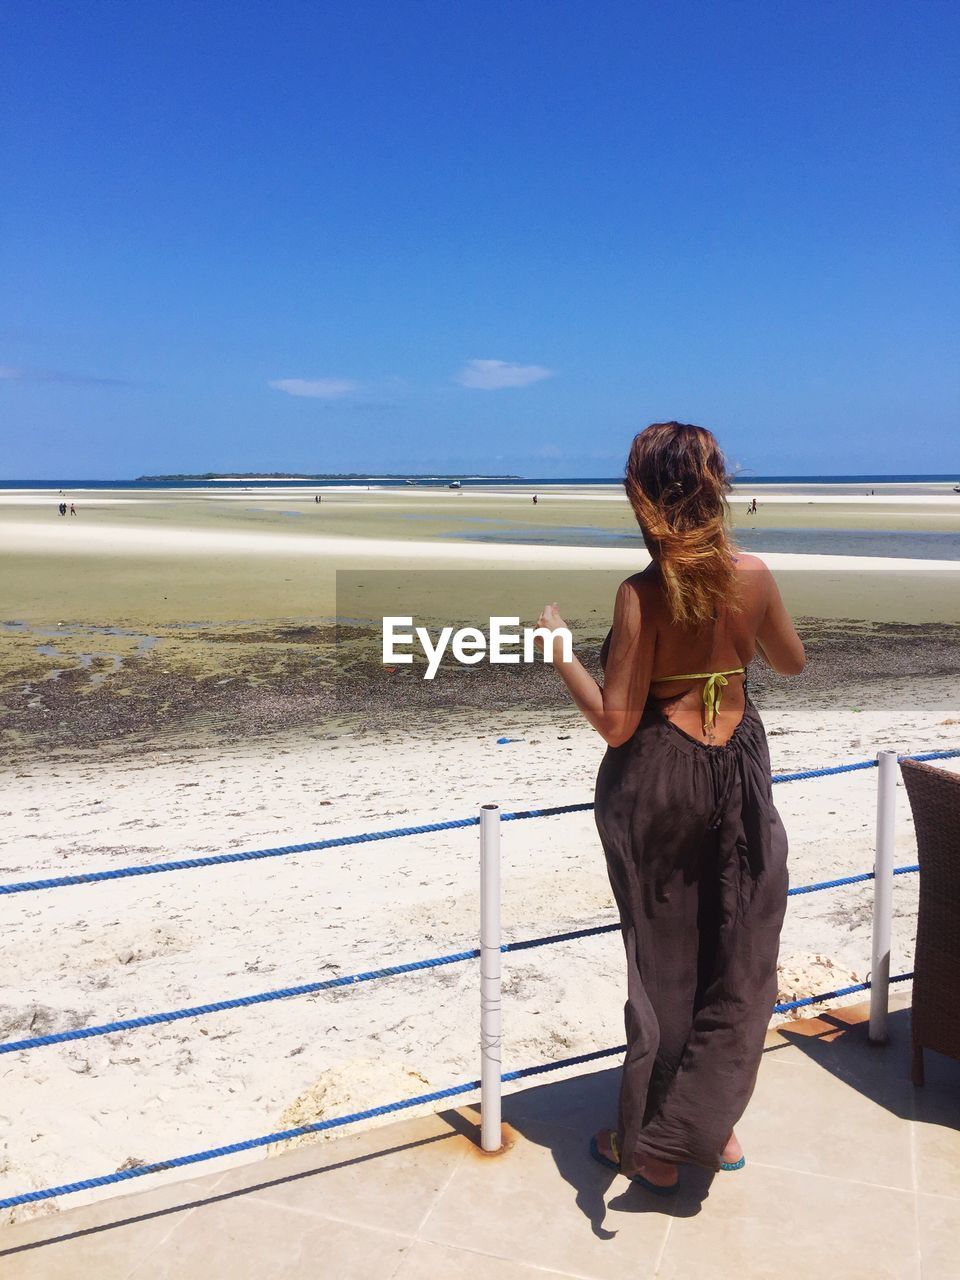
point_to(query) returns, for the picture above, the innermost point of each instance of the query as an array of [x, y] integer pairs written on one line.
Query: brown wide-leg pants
[[697, 858]]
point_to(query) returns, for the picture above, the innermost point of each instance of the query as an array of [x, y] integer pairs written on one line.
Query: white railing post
[[882, 896], [490, 1058]]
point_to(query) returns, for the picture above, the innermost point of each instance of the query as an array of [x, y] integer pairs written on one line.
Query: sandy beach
[[138, 728]]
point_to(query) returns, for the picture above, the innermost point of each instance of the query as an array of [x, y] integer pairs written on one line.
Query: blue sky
[[477, 236]]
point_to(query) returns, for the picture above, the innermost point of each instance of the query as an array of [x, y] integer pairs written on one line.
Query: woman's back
[[721, 648]]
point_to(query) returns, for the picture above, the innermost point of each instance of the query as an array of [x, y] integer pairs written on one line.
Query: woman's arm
[[777, 637], [615, 709]]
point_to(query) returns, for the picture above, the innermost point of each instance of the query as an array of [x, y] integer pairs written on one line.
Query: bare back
[[760, 624]]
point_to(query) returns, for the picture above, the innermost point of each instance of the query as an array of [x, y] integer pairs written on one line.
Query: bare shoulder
[[629, 594], [746, 562], [755, 574], [640, 605], [643, 584], [638, 592]]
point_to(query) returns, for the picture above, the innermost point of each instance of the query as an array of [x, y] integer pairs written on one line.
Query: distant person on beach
[[73, 509], [62, 508], [753, 506], [534, 499], [695, 849]]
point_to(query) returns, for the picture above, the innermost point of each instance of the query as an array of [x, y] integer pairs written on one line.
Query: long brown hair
[[677, 480]]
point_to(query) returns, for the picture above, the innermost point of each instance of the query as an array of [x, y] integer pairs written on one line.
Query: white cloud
[[491, 375], [315, 388]]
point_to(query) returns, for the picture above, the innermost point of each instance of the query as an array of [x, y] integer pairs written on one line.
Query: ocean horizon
[[442, 478]]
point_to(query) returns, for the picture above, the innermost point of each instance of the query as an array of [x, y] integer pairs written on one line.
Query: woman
[[696, 851]]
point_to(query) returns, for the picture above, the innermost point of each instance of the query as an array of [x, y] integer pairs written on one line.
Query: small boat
[[454, 484]]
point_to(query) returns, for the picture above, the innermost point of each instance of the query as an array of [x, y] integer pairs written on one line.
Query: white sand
[[95, 953], [42, 537]]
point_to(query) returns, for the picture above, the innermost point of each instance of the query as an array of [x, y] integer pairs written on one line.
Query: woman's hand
[[549, 619]]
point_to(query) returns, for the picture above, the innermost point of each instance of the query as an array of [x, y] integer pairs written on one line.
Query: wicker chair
[[935, 1016]]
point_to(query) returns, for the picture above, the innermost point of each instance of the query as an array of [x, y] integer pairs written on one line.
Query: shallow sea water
[[907, 544]]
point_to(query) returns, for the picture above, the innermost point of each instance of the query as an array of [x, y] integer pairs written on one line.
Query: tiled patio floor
[[852, 1172]]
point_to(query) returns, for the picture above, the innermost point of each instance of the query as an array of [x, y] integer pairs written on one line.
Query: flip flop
[[600, 1157], [730, 1165], [637, 1177]]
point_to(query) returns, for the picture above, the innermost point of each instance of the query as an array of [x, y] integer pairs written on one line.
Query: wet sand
[[189, 611], [212, 686], [142, 559]]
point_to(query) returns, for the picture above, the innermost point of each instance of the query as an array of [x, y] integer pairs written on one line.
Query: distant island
[[339, 475]]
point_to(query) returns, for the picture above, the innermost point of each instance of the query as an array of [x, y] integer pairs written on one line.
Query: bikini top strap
[[704, 675], [712, 690]]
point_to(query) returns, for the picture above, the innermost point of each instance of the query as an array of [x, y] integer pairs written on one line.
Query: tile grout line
[[441, 1191], [479, 1253], [178, 1221], [663, 1247], [366, 1225], [160, 1244], [938, 1195], [833, 1177], [482, 1253], [401, 1261], [916, 1186]]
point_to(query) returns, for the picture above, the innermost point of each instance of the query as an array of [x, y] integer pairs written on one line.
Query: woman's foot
[[605, 1141], [652, 1169], [732, 1153], [660, 1172]]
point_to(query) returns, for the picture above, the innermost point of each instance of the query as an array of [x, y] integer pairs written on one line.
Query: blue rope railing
[[857, 879], [370, 837], [352, 979], [249, 855], [390, 1108], [789, 1005], [859, 764], [238, 1002], [318, 1126]]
